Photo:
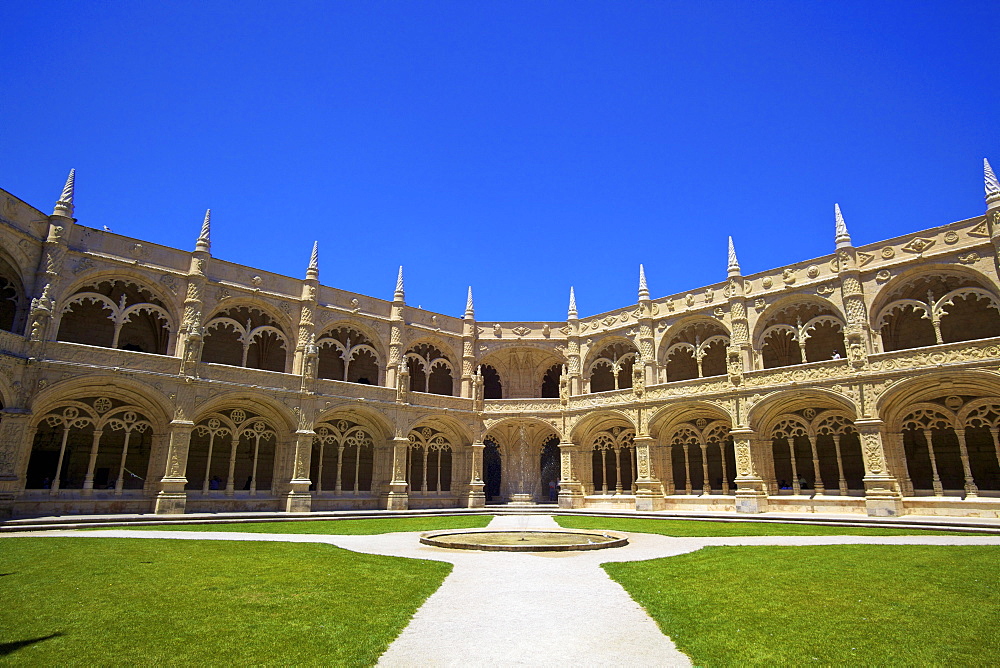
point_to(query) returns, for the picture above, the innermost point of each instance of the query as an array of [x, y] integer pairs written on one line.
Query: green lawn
[[119, 601], [874, 605], [690, 528], [342, 527]]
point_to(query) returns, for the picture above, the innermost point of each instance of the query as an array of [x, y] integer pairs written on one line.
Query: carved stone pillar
[[397, 498], [298, 499], [882, 497], [570, 489], [751, 493], [647, 487], [16, 438], [477, 497], [172, 498]]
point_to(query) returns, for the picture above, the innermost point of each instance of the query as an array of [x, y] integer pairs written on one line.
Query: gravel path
[[520, 609]]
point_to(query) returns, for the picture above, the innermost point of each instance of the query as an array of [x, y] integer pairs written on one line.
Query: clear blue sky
[[521, 147]]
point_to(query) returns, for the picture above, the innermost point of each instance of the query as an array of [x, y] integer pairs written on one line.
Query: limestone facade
[[140, 378]]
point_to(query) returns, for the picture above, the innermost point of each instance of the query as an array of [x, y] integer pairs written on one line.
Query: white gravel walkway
[[527, 609]]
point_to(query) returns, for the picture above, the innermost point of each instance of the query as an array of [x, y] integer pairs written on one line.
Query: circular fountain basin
[[526, 540]]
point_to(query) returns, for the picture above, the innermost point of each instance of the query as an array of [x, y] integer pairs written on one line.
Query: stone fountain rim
[[618, 539]]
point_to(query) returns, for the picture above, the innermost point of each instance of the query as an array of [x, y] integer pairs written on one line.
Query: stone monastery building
[[139, 378]]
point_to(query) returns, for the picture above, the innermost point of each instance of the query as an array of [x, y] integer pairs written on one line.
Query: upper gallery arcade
[[140, 378]]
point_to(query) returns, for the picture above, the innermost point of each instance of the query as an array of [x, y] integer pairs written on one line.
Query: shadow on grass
[[11, 647]]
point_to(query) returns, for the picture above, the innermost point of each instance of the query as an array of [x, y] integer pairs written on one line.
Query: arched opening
[[613, 460], [492, 387], [430, 460], [430, 370], [550, 381], [930, 310], [343, 458], [232, 450], [492, 470], [550, 469], [96, 443], [702, 457], [116, 314], [816, 452], [245, 336], [696, 351], [612, 368], [799, 334], [11, 294], [348, 355]]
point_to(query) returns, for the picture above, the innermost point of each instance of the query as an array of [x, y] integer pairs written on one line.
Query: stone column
[[647, 486], [477, 497], [882, 497], [570, 489], [751, 493], [298, 499], [397, 498], [16, 438], [172, 498]]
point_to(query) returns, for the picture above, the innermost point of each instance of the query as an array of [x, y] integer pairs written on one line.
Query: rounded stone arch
[[370, 332], [281, 416], [597, 421], [91, 318], [285, 321], [883, 297], [956, 303], [763, 415], [82, 440], [787, 301], [521, 368], [14, 299], [223, 343], [378, 424], [599, 345], [174, 303], [458, 433], [899, 399], [442, 376], [663, 420], [781, 337], [503, 422], [663, 340], [441, 344], [155, 405]]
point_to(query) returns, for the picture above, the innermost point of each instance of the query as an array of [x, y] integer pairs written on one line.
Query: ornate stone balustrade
[[440, 401], [76, 353], [521, 405], [964, 352], [339, 388], [250, 377], [12, 343]]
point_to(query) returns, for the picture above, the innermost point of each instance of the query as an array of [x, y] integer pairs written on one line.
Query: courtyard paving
[[528, 609]]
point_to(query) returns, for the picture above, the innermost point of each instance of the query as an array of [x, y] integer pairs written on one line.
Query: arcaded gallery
[[136, 378]]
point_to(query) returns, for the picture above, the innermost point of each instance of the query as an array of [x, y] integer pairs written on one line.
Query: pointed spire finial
[[204, 243], [399, 295], [643, 288], [470, 311], [992, 185], [842, 238], [734, 264], [64, 207], [312, 271], [572, 303]]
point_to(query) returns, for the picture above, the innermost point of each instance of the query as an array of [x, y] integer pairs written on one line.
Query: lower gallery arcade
[[102, 445]]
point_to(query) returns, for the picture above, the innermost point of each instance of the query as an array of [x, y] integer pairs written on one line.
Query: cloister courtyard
[[365, 591]]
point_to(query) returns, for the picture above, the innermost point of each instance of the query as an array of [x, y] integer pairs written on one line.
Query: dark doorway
[[492, 469], [550, 470]]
